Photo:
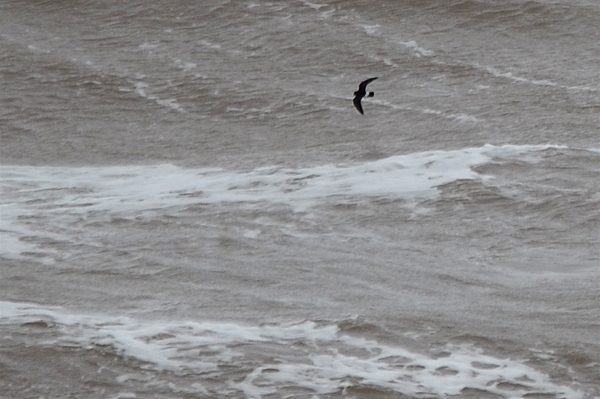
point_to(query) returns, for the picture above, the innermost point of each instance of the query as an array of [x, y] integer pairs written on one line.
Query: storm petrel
[[360, 93]]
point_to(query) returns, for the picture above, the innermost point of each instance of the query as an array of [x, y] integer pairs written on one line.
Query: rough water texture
[[191, 206]]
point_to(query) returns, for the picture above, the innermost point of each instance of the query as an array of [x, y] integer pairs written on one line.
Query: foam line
[[59, 194], [304, 355]]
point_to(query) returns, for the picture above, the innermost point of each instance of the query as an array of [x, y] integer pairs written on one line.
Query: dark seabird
[[360, 93]]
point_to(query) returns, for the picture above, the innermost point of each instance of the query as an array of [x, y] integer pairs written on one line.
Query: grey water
[[193, 208]]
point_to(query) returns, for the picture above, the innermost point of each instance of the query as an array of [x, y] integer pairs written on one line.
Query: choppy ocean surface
[[191, 206]]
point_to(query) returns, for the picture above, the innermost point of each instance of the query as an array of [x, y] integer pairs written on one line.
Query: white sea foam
[[148, 46], [371, 29], [208, 44], [511, 76], [305, 355], [56, 194], [419, 51], [538, 82], [186, 66], [314, 6], [457, 117], [141, 89]]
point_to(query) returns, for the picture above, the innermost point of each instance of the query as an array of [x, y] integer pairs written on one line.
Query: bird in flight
[[362, 92]]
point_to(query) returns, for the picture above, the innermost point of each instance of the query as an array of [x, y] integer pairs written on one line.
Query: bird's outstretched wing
[[363, 85], [358, 105]]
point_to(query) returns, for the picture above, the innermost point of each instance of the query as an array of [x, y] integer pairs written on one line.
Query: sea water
[[192, 208]]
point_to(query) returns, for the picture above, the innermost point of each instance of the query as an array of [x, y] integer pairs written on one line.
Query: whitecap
[[417, 49], [61, 195], [520, 79], [314, 6], [141, 89], [304, 356], [371, 29]]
